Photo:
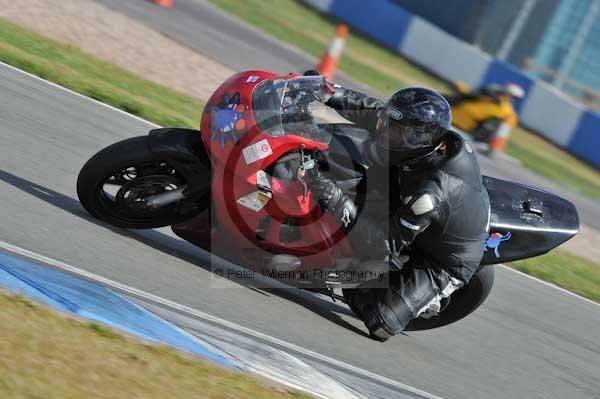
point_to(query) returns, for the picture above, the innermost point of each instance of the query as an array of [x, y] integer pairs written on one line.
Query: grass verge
[[568, 271], [44, 354], [373, 64], [549, 161], [71, 68]]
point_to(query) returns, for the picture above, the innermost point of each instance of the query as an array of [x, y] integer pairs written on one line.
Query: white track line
[[210, 318], [157, 126]]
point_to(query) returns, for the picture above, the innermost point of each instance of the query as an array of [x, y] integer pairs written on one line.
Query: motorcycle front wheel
[[116, 182]]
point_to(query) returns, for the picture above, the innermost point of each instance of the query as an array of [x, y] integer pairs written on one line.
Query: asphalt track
[[224, 38], [528, 340]]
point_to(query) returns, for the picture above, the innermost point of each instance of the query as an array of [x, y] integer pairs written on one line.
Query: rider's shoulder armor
[[462, 162]]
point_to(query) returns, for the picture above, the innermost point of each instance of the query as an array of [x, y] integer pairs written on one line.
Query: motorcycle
[[239, 188], [483, 113]]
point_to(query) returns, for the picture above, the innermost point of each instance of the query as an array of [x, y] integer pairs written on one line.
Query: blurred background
[[557, 41]]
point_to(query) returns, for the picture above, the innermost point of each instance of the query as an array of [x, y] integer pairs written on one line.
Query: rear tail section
[[525, 221]]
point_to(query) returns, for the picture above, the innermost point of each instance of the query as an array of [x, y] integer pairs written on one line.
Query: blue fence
[[543, 109], [387, 22]]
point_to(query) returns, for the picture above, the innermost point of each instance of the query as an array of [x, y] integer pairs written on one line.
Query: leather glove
[[326, 192], [369, 238], [332, 198], [394, 256], [329, 90], [312, 72]]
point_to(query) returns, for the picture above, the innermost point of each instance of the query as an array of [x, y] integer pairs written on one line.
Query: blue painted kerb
[[94, 302]]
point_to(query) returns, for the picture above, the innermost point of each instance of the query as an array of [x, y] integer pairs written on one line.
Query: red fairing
[[235, 94], [238, 150]]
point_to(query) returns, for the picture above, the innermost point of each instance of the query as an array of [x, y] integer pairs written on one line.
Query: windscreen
[[287, 106]]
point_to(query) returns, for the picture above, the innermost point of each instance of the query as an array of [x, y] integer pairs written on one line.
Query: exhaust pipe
[[166, 198]]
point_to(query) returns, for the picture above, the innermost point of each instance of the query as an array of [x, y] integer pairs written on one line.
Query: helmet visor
[[407, 135]]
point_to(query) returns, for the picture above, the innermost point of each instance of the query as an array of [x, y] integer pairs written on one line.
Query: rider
[[438, 206]]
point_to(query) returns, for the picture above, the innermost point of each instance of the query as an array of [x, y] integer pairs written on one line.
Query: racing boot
[[387, 311], [365, 304]]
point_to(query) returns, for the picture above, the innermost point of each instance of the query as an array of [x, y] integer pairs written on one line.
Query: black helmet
[[417, 121]]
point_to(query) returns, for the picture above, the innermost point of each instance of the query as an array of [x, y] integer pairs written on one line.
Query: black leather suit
[[440, 211]]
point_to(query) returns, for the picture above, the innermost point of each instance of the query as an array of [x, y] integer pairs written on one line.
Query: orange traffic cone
[[499, 139], [164, 3], [329, 61]]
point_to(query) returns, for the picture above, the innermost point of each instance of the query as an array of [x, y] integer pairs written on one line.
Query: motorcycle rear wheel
[[113, 183], [462, 303]]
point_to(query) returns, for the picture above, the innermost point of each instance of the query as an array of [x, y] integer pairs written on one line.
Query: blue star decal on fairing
[[228, 120]]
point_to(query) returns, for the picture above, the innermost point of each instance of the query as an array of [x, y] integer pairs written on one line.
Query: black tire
[[462, 303], [117, 157]]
